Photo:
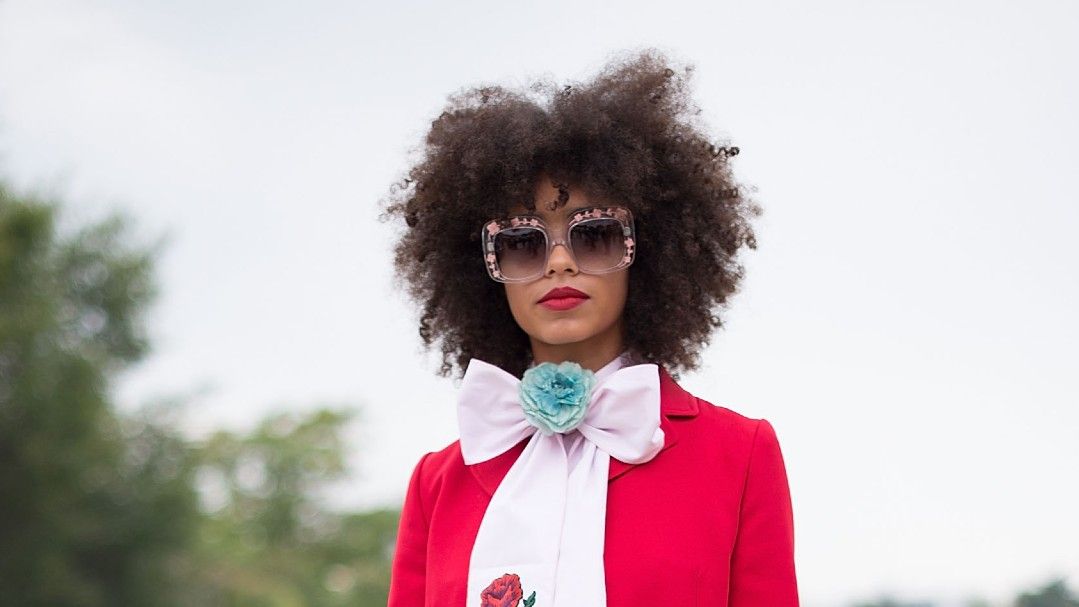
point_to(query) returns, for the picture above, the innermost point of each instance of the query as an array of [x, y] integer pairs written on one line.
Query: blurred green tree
[[98, 508], [1053, 594], [93, 508], [267, 539]]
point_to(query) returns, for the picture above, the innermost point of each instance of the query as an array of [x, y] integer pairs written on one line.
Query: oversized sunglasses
[[600, 240]]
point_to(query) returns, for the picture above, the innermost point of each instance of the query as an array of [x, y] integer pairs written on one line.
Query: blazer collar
[[674, 401]]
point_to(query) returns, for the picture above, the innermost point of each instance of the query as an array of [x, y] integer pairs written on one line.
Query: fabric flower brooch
[[555, 397]]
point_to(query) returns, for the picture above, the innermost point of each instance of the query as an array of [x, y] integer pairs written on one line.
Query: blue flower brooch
[[555, 396]]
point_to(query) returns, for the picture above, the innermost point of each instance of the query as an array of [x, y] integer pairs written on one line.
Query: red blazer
[[707, 521]]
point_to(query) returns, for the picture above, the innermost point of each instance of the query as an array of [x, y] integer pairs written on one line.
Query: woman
[[569, 254]]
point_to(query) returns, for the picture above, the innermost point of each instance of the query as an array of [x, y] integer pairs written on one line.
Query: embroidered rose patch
[[506, 592]]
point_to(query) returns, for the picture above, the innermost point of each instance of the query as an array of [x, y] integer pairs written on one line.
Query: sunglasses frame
[[494, 226]]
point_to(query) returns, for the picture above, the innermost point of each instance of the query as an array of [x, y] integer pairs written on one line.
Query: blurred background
[[212, 394]]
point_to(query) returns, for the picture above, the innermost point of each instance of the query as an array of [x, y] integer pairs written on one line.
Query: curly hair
[[630, 135]]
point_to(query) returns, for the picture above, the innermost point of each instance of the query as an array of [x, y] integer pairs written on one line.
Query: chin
[[558, 338]]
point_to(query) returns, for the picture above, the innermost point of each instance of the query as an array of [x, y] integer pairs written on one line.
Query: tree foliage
[[86, 497], [267, 540], [1053, 594], [98, 508]]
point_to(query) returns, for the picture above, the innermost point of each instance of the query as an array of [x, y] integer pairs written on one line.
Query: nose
[[560, 260]]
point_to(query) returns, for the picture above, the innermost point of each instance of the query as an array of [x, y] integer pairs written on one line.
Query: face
[[589, 332]]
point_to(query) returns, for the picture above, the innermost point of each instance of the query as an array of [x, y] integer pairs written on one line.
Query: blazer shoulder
[[448, 455], [681, 405], [434, 465], [746, 442], [733, 426]]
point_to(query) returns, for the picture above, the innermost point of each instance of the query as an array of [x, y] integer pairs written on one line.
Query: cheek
[[515, 296], [613, 293]]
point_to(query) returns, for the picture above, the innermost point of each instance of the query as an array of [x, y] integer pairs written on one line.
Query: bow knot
[[554, 398]]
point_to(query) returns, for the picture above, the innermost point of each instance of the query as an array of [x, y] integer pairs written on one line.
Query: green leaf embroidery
[[531, 600]]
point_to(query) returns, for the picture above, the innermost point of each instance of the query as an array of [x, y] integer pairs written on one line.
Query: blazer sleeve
[[762, 562], [408, 574]]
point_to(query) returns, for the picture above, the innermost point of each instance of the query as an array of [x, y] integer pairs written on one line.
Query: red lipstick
[[562, 298]]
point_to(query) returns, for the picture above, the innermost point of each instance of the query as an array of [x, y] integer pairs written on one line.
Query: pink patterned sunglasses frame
[[494, 226]]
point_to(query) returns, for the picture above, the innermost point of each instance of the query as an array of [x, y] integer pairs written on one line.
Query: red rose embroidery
[[503, 592]]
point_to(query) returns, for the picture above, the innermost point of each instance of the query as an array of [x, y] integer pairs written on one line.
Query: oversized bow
[[542, 535]]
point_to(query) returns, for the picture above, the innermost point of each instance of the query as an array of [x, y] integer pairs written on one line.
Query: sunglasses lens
[[520, 251], [598, 244]]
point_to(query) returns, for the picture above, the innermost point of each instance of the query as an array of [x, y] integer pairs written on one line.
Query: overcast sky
[[908, 324]]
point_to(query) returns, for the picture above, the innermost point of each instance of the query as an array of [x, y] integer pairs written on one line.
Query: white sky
[[908, 323]]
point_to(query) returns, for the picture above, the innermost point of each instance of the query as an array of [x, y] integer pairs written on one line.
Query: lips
[[562, 298], [563, 293]]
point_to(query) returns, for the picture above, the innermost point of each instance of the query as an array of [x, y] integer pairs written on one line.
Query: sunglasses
[[600, 240]]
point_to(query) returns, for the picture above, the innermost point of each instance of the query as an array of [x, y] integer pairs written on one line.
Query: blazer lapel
[[674, 401]]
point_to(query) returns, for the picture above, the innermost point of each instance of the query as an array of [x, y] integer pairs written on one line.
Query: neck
[[591, 354]]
